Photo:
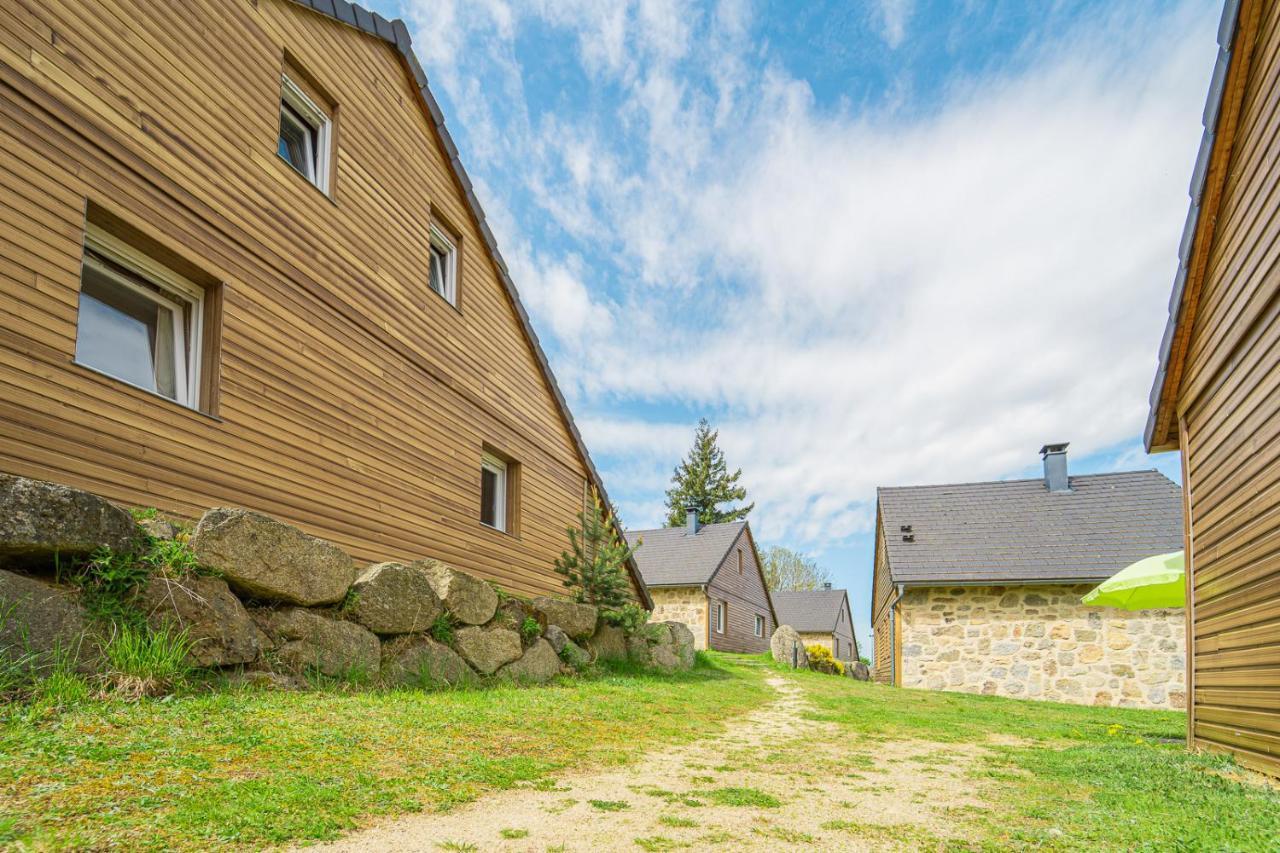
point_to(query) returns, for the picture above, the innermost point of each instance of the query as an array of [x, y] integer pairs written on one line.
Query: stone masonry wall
[[687, 604], [1040, 642], [813, 639]]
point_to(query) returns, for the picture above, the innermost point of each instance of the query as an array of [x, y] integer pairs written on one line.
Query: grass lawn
[[1064, 776], [254, 768]]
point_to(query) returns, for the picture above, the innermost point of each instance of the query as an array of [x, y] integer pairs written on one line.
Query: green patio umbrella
[[1157, 581]]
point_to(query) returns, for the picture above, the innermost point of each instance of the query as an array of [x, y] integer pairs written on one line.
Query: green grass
[[609, 805], [744, 797], [256, 769], [1066, 776], [512, 834]]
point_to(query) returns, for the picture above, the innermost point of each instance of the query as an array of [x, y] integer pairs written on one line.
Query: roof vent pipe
[[691, 519], [1055, 467]]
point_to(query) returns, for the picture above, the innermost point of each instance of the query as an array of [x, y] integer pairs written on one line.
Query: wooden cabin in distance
[[821, 617], [1216, 397], [709, 577], [241, 264]]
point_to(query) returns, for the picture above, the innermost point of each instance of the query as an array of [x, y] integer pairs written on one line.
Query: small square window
[[305, 131], [759, 625], [139, 321], [443, 272], [493, 492]]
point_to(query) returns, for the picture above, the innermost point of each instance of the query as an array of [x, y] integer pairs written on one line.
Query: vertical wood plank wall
[[881, 612], [1230, 403], [352, 400], [746, 596]]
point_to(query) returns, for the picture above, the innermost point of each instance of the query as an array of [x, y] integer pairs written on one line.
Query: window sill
[[289, 167], [498, 530], [144, 393]]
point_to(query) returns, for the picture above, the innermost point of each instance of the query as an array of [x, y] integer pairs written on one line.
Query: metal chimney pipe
[[1055, 467], [691, 511]]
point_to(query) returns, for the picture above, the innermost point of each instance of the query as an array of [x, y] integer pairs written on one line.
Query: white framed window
[[720, 617], [759, 625], [443, 274], [305, 133], [139, 321], [493, 492]]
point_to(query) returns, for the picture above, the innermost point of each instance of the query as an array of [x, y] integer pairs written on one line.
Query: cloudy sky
[[876, 243]]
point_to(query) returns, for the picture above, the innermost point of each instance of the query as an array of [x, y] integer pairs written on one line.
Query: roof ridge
[[1094, 475]]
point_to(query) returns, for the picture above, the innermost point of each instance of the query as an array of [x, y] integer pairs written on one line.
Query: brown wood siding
[[881, 612], [746, 596], [1229, 405], [351, 400], [844, 633]]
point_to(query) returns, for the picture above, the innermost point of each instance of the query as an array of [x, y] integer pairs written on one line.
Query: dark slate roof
[[396, 34], [1212, 108], [813, 610], [671, 557], [1016, 531]]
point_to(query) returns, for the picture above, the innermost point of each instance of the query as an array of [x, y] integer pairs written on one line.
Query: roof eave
[[1161, 430]]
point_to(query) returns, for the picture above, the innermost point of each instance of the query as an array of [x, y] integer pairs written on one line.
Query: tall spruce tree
[[703, 478]]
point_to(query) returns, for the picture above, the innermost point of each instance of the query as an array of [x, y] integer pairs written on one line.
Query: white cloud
[[893, 15], [858, 299]]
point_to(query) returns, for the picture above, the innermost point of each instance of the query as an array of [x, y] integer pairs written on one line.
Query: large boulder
[[265, 559], [682, 643], [40, 623], [44, 523], [468, 599], [639, 650], [220, 630], [556, 637], [422, 662], [488, 649], [577, 620], [858, 670], [392, 598], [537, 665], [609, 642], [308, 641], [787, 647], [665, 658]]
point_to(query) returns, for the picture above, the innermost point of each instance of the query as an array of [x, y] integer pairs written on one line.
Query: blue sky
[[877, 243]]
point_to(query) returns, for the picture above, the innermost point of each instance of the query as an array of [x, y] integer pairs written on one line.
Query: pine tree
[[594, 565], [703, 478]]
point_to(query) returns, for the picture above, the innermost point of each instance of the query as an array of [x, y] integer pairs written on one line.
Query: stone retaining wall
[[269, 598], [1040, 642]]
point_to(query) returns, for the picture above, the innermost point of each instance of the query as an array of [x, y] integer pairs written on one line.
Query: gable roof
[[813, 610], [1220, 119], [1017, 531], [669, 556], [396, 34]]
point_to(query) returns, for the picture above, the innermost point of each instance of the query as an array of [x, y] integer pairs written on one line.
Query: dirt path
[[772, 781]]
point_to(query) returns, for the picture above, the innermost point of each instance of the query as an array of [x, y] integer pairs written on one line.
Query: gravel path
[[771, 781]]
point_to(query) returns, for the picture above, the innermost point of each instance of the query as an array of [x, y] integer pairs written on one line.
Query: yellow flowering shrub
[[820, 660]]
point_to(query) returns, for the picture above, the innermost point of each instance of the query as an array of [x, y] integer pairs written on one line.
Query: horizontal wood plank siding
[[881, 612], [1229, 401], [746, 596], [352, 400]]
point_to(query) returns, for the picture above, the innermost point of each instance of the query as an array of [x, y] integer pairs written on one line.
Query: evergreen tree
[[594, 567], [703, 478]]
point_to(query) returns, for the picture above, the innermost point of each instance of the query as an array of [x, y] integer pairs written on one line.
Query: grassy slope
[[261, 768], [255, 768], [1065, 776]]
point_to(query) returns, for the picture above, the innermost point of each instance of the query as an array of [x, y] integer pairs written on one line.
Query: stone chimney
[[1055, 467], [826, 585]]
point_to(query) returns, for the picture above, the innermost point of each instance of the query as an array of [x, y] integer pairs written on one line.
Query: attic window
[[443, 271], [305, 131]]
